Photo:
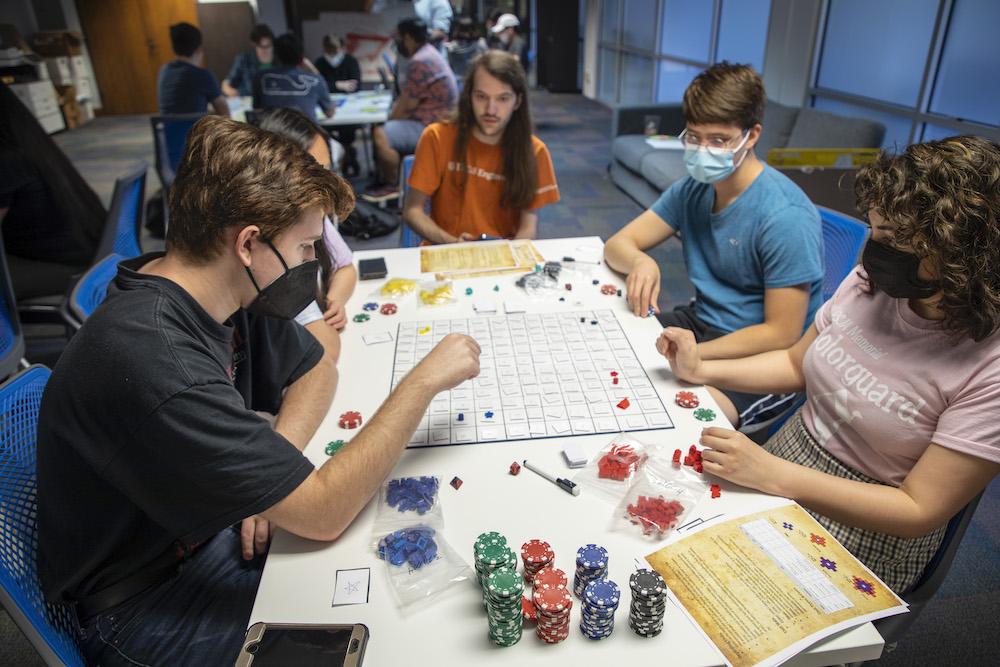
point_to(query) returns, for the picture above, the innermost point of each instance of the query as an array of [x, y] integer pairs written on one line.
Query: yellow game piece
[[398, 287], [423, 330]]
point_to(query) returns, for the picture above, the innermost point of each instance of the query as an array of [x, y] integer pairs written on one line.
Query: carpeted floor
[[958, 627]]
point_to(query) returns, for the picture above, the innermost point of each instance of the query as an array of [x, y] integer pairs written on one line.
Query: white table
[[298, 579]]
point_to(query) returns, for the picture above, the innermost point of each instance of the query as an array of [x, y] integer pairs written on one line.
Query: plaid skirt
[[897, 561]]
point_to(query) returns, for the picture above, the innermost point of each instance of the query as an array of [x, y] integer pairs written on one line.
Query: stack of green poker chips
[[491, 553], [504, 588]]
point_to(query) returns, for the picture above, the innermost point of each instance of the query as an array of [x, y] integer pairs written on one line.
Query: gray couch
[[644, 172]]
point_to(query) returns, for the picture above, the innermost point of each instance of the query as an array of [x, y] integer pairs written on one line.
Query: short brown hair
[[725, 94], [236, 174], [944, 199]]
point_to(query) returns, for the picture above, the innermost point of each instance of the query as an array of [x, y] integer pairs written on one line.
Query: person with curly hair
[[901, 367]]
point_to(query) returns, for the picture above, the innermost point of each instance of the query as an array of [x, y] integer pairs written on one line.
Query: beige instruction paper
[[465, 260], [766, 586]]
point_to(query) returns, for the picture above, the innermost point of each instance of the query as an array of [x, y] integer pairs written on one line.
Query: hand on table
[[466, 236], [452, 361], [642, 286], [335, 315], [346, 86], [734, 457], [255, 533], [681, 350]]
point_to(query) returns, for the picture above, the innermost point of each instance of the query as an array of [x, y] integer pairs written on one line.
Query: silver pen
[[564, 484]]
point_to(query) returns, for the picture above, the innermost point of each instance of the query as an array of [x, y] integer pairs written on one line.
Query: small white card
[[352, 586], [485, 307], [511, 308], [376, 338]]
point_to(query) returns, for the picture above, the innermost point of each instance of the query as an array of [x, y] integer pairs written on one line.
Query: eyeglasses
[[714, 145]]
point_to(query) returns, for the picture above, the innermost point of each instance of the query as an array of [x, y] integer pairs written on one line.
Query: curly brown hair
[[944, 199]]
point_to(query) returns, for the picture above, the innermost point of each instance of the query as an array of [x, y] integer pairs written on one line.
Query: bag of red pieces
[[656, 515], [619, 463]]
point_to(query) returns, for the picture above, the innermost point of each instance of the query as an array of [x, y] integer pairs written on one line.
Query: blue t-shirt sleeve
[[235, 76], [671, 205], [323, 95], [210, 87], [790, 247]]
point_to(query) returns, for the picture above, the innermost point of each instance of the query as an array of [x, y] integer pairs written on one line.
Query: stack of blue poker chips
[[591, 565], [416, 494], [414, 546], [597, 608], [649, 603]]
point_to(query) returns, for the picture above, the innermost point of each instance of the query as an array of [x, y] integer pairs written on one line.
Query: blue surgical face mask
[[712, 167]]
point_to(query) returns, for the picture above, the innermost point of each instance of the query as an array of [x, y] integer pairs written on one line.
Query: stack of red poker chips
[[619, 463], [656, 515], [552, 605], [536, 555]]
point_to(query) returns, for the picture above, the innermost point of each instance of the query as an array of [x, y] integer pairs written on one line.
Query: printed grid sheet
[[541, 376]]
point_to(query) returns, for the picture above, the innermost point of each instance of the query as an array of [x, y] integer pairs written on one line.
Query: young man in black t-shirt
[[149, 446]]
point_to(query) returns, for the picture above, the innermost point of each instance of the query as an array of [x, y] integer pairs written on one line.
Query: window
[[966, 80], [651, 49]]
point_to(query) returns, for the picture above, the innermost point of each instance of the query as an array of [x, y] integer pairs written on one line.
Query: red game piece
[[569, 287], [677, 458], [456, 482], [515, 468], [614, 374], [350, 419], [619, 463], [686, 399], [716, 491], [654, 514], [388, 309], [623, 404], [614, 380]]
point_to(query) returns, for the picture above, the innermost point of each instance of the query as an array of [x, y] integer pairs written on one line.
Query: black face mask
[[895, 272], [289, 293]]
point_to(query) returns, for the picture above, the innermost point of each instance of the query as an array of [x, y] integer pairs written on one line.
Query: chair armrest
[[632, 119]]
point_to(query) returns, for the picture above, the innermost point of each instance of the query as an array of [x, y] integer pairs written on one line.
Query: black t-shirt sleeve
[[353, 68], [282, 351], [210, 86], [202, 461], [15, 173]]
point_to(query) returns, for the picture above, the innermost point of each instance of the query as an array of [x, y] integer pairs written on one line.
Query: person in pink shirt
[[901, 368]]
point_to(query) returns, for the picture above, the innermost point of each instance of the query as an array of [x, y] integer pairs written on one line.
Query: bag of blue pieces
[[415, 546], [412, 493]]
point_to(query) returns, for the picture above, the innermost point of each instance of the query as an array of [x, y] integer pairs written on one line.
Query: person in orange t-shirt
[[484, 172]]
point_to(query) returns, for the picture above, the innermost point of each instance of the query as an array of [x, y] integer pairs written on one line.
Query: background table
[[298, 580]]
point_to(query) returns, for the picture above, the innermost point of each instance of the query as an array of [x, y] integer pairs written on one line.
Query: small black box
[[370, 269]]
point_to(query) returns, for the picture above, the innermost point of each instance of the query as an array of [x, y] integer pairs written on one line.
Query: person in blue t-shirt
[[752, 240], [184, 86], [292, 83]]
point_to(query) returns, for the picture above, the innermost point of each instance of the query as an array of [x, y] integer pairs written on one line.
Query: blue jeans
[[197, 617]]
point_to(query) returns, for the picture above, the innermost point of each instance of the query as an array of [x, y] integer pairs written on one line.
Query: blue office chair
[[894, 628], [408, 238], [49, 627], [843, 239], [90, 290], [169, 139], [121, 232], [11, 335]]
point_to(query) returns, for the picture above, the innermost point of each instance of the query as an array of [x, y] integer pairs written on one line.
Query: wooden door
[[226, 30], [129, 40]]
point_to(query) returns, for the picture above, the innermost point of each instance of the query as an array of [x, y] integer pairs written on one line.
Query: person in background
[[491, 20], [505, 30], [239, 81], [901, 368], [484, 171], [465, 45], [342, 74], [52, 220], [437, 16], [183, 85], [337, 273], [428, 96], [753, 242], [291, 82]]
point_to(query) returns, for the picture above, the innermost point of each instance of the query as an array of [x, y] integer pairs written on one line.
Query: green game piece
[[496, 288], [468, 291], [704, 414], [362, 317], [333, 447]]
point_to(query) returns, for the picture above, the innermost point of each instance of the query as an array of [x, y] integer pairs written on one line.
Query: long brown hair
[[944, 198], [520, 170]]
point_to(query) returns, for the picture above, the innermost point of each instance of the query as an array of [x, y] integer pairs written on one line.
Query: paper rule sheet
[[765, 586], [464, 260]]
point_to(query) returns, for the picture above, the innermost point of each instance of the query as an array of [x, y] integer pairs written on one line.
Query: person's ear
[[754, 136], [244, 241], [517, 105]]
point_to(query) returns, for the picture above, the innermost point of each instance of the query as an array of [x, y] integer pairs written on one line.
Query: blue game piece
[[461, 416], [489, 414]]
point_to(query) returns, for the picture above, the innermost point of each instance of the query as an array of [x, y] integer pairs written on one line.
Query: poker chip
[[597, 608], [350, 419], [528, 611], [686, 399], [536, 554], [371, 305], [591, 565], [412, 494], [413, 546], [361, 317], [333, 447], [649, 603], [388, 309], [549, 577], [504, 606], [609, 290], [552, 610], [704, 414]]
